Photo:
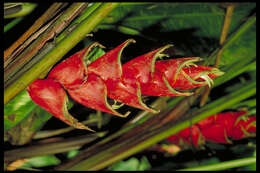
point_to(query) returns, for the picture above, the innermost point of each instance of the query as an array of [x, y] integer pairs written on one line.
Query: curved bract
[[91, 84], [50, 95]]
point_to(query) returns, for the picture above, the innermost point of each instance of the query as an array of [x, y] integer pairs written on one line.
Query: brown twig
[[224, 32], [51, 133], [52, 10], [33, 49], [34, 36], [223, 36], [51, 147]]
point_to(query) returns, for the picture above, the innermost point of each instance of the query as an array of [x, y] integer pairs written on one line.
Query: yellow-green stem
[[223, 165], [26, 8]]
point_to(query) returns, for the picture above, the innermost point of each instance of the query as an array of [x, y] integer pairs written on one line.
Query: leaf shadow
[[187, 41]]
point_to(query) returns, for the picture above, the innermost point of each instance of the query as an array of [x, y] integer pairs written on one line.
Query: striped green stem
[[82, 17], [26, 8], [223, 165]]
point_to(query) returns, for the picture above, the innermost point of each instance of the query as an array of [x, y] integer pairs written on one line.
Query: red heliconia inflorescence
[[91, 84], [220, 128]]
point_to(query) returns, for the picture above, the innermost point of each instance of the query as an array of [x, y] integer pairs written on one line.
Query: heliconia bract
[[219, 128], [91, 84]]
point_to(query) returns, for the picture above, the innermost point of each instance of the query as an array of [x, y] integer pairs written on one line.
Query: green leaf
[[42, 117], [17, 109], [72, 153], [23, 132], [194, 27], [132, 164], [243, 48], [144, 164], [129, 165], [42, 161], [207, 17], [95, 53]]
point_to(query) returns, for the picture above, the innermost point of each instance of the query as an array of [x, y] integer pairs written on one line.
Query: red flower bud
[[219, 128]]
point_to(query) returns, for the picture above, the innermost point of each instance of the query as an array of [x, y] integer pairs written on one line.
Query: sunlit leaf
[[132, 164], [17, 109], [72, 153], [41, 161]]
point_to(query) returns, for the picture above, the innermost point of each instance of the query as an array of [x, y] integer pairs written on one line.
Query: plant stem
[[59, 51], [223, 165], [84, 15], [51, 148], [224, 32], [248, 103], [26, 8], [51, 133]]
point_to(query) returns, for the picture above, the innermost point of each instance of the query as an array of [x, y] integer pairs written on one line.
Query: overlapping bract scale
[[91, 84]]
